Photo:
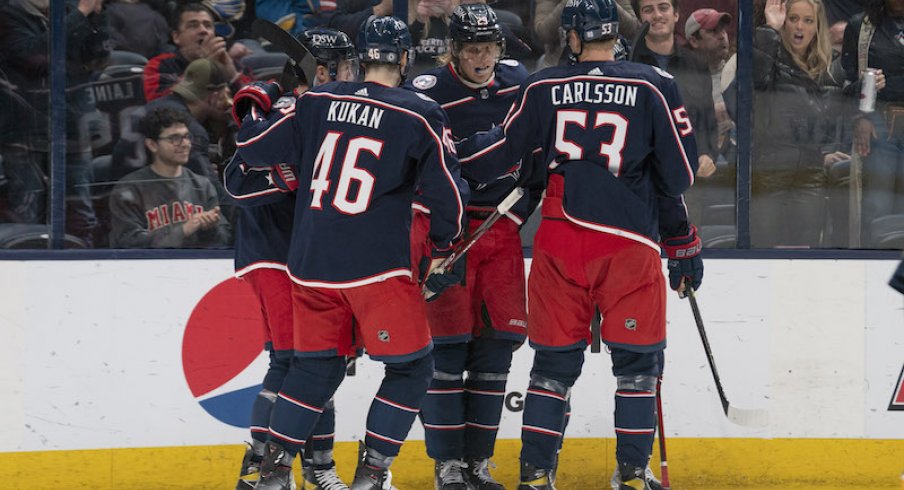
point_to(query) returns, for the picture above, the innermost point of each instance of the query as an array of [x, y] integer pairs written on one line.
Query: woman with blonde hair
[[793, 133]]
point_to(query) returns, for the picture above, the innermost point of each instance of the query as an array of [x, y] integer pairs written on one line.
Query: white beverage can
[[868, 91]]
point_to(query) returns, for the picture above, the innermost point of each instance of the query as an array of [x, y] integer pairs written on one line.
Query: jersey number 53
[[611, 149], [343, 200]]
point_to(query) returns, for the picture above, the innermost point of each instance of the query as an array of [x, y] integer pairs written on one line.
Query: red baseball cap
[[705, 19]]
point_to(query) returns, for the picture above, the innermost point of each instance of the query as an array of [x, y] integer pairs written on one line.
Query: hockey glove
[[440, 280], [685, 263], [283, 177], [256, 94], [897, 279]]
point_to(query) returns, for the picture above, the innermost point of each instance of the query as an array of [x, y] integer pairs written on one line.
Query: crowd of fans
[[824, 172]]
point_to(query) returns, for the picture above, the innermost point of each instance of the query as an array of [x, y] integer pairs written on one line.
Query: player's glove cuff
[[685, 263], [283, 177], [683, 247], [257, 94]]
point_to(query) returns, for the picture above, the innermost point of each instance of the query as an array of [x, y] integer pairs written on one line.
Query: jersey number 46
[[349, 173]]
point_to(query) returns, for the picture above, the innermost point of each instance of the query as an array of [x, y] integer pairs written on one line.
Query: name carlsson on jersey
[[593, 92], [355, 113]]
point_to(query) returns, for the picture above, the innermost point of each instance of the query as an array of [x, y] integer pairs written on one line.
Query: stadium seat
[[118, 57], [718, 236], [887, 232], [265, 66], [32, 236]]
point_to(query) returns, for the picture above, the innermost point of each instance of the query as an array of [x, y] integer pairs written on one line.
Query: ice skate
[[369, 477], [450, 475], [627, 477], [276, 469], [322, 477], [250, 472], [533, 478], [479, 476]]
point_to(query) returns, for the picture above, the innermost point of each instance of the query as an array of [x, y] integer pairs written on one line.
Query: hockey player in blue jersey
[[349, 255], [476, 324], [620, 152], [266, 204]]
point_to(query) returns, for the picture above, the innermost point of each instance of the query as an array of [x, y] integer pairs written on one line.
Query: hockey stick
[[663, 463], [469, 242], [641, 33], [740, 416], [304, 63]]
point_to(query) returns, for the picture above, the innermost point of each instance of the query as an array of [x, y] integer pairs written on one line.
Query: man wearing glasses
[[165, 205]]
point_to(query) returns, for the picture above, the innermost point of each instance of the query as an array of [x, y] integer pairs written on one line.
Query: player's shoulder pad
[[424, 82]]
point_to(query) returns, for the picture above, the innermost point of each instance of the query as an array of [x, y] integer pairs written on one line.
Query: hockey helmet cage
[[592, 20]]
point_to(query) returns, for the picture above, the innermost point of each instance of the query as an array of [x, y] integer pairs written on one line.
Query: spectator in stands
[[792, 128], [875, 39], [547, 23], [293, 15], [136, 27], [203, 95], [23, 192], [350, 14], [706, 34], [194, 37], [428, 21], [25, 59], [659, 48], [729, 7], [165, 205]]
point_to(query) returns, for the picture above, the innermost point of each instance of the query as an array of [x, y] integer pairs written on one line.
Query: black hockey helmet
[[475, 23], [593, 20], [383, 40], [329, 47]]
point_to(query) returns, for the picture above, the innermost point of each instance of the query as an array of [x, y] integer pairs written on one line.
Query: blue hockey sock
[[443, 416], [396, 404], [485, 395]]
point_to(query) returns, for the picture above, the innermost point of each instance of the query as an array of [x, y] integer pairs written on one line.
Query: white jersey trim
[[630, 235], [353, 284], [260, 265]]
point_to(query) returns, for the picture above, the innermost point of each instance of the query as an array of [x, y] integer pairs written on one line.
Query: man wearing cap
[[659, 48], [203, 95], [706, 34], [194, 37]]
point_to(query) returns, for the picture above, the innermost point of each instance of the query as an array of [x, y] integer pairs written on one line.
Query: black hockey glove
[[256, 94], [897, 279], [685, 263], [437, 282]]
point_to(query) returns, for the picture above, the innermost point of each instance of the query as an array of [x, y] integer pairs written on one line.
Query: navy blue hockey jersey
[[361, 149], [265, 217], [471, 110], [617, 131]]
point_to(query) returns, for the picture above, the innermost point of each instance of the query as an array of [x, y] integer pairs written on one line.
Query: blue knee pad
[[397, 403], [489, 355], [276, 372], [635, 404]]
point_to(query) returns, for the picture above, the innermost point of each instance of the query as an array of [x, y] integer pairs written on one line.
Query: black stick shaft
[[709, 353]]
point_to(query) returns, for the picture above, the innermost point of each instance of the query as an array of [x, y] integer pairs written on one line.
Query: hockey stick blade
[[285, 42], [740, 416], [469, 242]]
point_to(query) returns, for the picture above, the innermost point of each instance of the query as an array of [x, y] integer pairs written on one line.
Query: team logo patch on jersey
[[508, 62], [631, 324], [663, 72], [424, 82], [383, 335]]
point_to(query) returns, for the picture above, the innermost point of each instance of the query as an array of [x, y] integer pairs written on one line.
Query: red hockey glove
[[283, 177], [256, 94], [685, 263]]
